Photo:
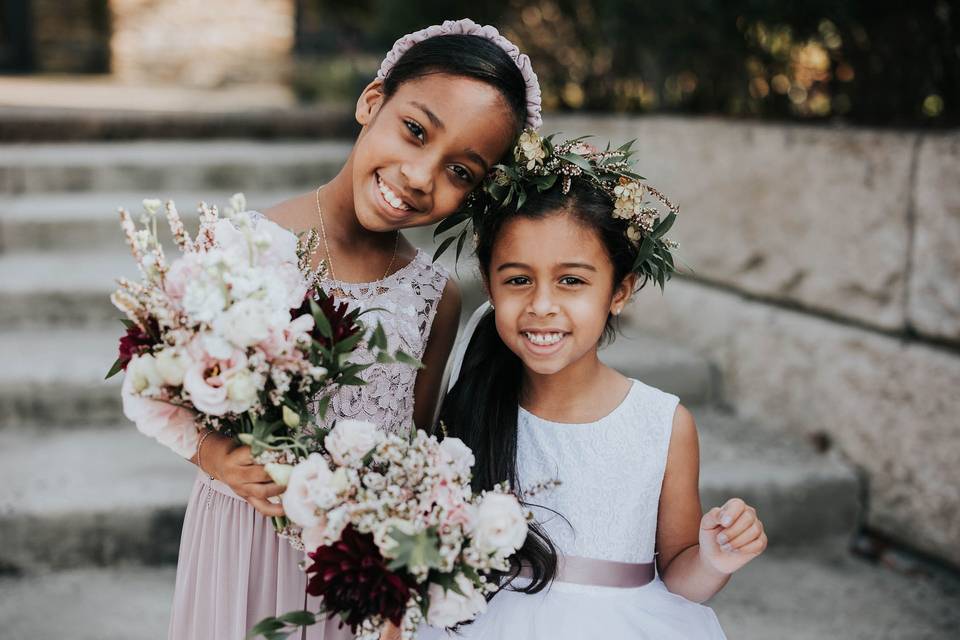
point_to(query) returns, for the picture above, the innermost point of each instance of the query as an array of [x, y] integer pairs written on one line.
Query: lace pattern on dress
[[405, 303]]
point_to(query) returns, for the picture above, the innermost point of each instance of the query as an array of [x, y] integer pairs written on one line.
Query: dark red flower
[[343, 322], [352, 577], [133, 343]]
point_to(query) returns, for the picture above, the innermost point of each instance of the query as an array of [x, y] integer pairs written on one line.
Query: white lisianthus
[[457, 455], [290, 417], [448, 608], [204, 298], [350, 440], [279, 473], [500, 524], [299, 502], [171, 365], [143, 374], [242, 390]]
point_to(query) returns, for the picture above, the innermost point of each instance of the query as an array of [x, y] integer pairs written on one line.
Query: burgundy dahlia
[[343, 322], [352, 577], [134, 342]]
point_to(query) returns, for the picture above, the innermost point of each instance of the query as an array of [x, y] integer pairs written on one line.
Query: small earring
[[616, 311]]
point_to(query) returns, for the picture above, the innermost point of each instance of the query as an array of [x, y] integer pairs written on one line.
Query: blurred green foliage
[[870, 62]]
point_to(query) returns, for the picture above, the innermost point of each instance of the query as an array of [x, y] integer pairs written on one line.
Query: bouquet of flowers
[[234, 335], [394, 532]]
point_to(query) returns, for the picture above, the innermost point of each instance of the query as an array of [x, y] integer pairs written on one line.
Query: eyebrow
[[476, 157], [566, 265], [434, 120]]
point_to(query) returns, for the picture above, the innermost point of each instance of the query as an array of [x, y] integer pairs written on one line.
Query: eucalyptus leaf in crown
[[540, 164]]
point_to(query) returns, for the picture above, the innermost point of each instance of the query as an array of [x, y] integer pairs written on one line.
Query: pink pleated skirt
[[233, 571]]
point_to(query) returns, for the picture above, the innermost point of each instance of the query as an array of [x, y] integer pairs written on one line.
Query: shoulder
[[296, 214], [684, 442]]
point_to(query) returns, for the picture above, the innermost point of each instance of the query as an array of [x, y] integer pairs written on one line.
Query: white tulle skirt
[[574, 612]]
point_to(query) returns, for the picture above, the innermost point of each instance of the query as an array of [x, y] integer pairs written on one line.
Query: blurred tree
[[867, 61]]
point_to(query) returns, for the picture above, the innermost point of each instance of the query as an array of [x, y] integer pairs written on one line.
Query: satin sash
[[601, 573]]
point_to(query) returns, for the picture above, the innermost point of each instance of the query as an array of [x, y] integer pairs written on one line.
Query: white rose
[[500, 524], [448, 608], [457, 455], [308, 480], [245, 323], [242, 390], [143, 373], [350, 440], [171, 365]]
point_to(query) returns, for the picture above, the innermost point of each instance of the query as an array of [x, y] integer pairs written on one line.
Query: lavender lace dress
[[233, 570]]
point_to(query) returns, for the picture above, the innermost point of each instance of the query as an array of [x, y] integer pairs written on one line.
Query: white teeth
[[391, 198], [543, 339]]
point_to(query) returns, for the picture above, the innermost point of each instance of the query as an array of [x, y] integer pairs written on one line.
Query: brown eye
[[415, 129], [571, 280]]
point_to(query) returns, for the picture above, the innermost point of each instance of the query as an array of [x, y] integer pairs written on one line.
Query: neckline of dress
[[340, 284], [621, 406]]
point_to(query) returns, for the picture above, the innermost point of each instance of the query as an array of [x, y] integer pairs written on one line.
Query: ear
[[369, 102], [622, 294]]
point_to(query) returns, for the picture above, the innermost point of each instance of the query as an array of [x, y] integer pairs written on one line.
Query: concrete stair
[[166, 166]]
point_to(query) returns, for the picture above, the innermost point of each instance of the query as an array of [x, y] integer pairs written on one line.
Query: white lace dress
[[610, 473], [233, 570]]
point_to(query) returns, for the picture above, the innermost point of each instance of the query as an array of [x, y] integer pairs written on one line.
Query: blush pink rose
[[169, 424]]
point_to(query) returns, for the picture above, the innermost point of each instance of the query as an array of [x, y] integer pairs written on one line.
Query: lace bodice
[[610, 473], [405, 303]]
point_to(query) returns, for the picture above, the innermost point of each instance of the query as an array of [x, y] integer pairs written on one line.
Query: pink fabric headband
[[469, 27]]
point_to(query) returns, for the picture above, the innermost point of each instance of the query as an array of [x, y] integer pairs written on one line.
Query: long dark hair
[[481, 408], [468, 56]]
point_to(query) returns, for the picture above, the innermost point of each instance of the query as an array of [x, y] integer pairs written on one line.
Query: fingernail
[[726, 521], [726, 547], [722, 538]]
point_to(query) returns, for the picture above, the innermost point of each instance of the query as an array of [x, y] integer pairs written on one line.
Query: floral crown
[[537, 164]]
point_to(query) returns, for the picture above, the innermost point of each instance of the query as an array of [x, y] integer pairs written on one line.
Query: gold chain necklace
[[326, 247]]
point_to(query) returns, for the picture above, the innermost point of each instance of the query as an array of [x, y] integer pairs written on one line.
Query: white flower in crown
[[530, 150], [628, 196]]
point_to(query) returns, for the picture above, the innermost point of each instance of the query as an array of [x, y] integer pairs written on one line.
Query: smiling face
[[425, 148], [551, 282]]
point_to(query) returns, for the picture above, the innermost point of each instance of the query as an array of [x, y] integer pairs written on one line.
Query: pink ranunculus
[[169, 424]]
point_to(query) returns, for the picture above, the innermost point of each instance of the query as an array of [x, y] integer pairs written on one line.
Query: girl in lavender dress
[[447, 103], [620, 549]]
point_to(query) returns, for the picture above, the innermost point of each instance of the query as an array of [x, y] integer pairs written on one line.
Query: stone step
[[56, 378], [163, 166], [78, 221], [89, 497], [55, 375], [100, 496], [814, 593]]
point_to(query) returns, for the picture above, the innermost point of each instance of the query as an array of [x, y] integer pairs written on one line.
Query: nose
[[418, 173], [541, 301]]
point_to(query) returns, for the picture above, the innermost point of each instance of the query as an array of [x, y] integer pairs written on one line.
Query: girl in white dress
[[621, 548]]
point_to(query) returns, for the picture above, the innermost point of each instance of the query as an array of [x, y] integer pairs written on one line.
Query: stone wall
[[205, 43], [825, 285]]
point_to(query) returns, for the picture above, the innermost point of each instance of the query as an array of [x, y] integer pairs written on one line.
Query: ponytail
[[481, 409]]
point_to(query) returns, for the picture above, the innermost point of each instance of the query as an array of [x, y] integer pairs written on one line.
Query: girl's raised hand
[[233, 465], [731, 536]]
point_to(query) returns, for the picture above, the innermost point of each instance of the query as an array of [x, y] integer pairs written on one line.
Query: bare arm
[[426, 391]]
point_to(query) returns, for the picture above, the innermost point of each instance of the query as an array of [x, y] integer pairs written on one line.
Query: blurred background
[[815, 153]]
